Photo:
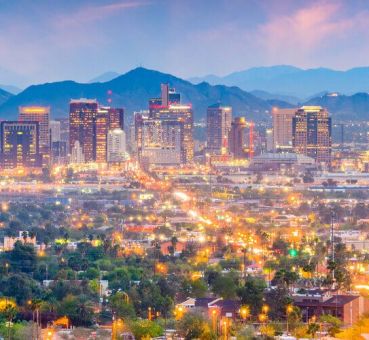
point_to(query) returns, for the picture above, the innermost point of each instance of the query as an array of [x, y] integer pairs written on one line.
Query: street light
[[262, 317], [179, 312], [265, 309], [225, 328], [245, 312], [149, 314], [289, 310], [214, 320]]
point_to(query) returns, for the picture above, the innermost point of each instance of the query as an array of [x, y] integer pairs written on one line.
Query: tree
[[285, 278], [278, 299], [194, 326], [19, 286], [77, 309], [143, 329], [225, 286], [333, 323], [313, 328], [23, 257], [251, 293], [120, 306], [198, 288]]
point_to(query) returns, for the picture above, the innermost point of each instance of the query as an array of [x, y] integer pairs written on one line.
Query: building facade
[[116, 146], [41, 115], [311, 133], [239, 138], [20, 145], [82, 126], [218, 126], [282, 128]]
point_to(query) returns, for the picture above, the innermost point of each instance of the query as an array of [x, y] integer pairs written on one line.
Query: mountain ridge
[[293, 81], [132, 91]]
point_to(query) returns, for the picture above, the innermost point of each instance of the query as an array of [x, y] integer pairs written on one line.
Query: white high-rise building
[[116, 146], [77, 155], [55, 131]]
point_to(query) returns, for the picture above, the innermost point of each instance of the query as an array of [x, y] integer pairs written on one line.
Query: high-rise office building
[[101, 134], [82, 126], [55, 131], [164, 135], [116, 146], [239, 138], [115, 117], [219, 119], [41, 115], [168, 97], [20, 144], [89, 124], [282, 128], [311, 133]]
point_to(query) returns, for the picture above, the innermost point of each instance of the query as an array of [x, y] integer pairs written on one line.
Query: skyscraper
[[101, 133], [311, 133], [116, 146], [219, 119], [40, 114], [115, 117], [282, 128], [165, 134], [239, 138], [82, 126], [55, 131], [20, 144]]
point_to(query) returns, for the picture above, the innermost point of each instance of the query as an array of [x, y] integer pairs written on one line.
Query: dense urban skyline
[[52, 42]]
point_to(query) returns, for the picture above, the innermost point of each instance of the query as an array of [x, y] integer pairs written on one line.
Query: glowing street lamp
[[245, 312], [178, 312], [265, 309], [289, 310], [262, 317]]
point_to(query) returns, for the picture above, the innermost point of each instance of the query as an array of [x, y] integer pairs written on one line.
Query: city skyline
[[119, 35]]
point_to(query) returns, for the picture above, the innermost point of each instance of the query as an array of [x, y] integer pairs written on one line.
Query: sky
[[50, 40]]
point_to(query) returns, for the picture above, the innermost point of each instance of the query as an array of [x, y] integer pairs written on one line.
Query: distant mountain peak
[[104, 77]]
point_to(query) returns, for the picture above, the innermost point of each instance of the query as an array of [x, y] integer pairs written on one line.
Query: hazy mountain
[[274, 96], [355, 107], [210, 78], [132, 91], [107, 76], [4, 96], [295, 81], [10, 88]]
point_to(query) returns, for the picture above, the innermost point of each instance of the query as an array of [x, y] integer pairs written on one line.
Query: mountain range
[[133, 89], [293, 81], [4, 96]]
